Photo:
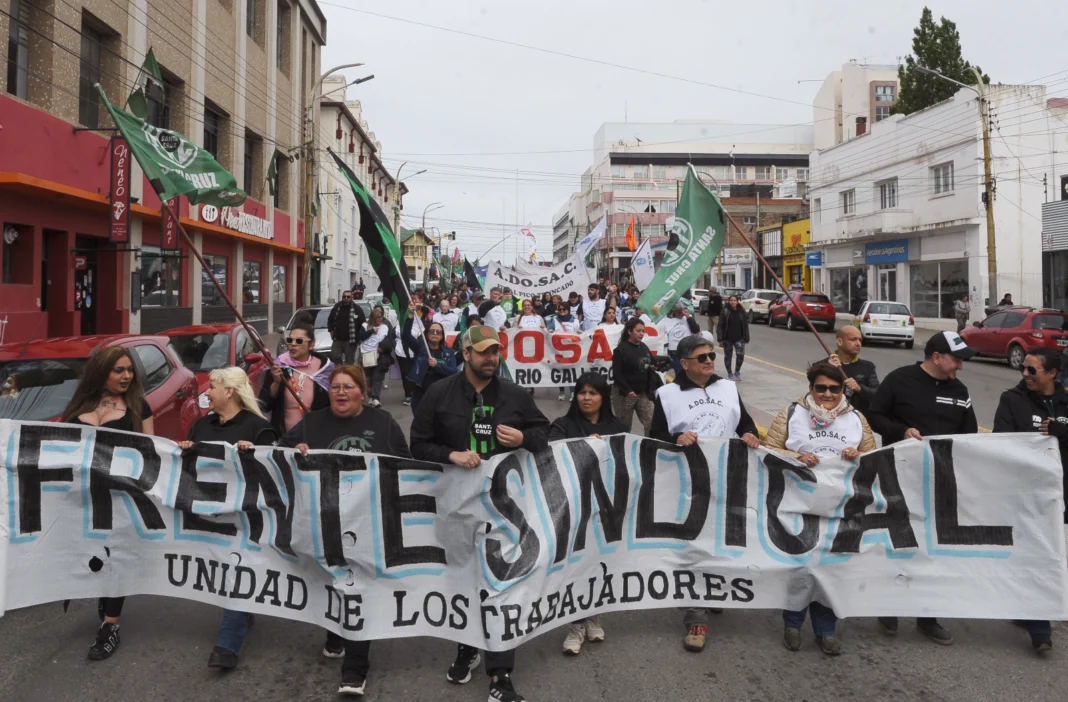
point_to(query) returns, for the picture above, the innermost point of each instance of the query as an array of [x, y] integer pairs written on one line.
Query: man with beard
[[463, 419], [592, 308], [344, 324], [492, 313]]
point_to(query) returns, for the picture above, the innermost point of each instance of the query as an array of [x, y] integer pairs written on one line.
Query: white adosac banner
[[376, 547], [541, 359], [562, 280]]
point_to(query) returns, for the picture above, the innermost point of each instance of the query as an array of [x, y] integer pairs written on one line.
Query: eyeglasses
[[833, 389], [1029, 370], [703, 358], [295, 340], [435, 332], [347, 387], [480, 407]]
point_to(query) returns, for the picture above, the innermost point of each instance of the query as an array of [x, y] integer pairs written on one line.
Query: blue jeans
[[674, 356], [732, 348], [232, 630], [823, 619], [377, 376]]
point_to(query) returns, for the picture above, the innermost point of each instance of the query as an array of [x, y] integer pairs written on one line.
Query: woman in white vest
[[822, 425]]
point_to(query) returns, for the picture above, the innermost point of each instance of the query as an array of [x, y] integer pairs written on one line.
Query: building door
[[888, 284], [85, 284]]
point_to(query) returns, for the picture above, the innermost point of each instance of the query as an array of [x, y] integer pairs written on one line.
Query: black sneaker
[[1042, 643], [791, 638], [467, 659], [107, 640], [889, 625], [501, 690], [222, 658], [935, 631], [352, 683], [333, 650]]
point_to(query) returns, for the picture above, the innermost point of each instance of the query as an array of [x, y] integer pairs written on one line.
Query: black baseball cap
[[695, 341], [946, 342]]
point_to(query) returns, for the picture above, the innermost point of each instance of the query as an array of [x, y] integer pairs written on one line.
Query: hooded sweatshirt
[[911, 398]]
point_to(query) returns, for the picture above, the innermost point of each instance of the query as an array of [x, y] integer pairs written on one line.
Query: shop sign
[[896, 251], [119, 213], [81, 263], [169, 225], [813, 259], [740, 255], [798, 260], [795, 243], [238, 220]]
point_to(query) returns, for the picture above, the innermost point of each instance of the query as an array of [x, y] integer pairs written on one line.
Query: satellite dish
[[10, 234]]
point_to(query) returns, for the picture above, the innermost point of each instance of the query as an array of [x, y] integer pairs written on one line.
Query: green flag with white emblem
[[149, 85], [695, 241], [173, 164]]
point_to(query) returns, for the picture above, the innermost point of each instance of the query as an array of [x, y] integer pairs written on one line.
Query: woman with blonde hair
[[235, 418], [110, 396]]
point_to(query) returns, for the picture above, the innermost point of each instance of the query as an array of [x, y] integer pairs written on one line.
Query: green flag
[[315, 202], [696, 239], [382, 248], [272, 175], [149, 84], [173, 164], [445, 273]]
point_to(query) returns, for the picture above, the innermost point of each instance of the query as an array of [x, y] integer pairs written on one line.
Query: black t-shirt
[[371, 431], [567, 427], [243, 426], [124, 423]]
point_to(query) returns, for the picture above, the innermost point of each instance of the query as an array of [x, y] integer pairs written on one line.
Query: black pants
[[357, 653], [497, 663], [405, 366], [111, 606]]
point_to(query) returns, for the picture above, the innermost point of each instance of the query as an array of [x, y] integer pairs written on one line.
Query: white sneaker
[[576, 634], [560, 397], [594, 632]]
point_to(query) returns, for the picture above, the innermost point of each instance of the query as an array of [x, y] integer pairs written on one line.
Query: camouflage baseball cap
[[480, 338]]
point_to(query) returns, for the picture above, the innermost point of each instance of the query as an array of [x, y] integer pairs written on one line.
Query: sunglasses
[[833, 389], [435, 332], [1029, 370], [295, 340], [480, 407], [703, 358]]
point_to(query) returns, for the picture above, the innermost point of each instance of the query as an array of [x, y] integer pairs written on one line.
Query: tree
[[937, 47]]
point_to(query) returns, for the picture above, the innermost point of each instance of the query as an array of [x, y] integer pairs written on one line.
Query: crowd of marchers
[[466, 411]]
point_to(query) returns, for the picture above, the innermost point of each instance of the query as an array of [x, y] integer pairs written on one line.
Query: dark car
[[1013, 332], [817, 307], [38, 378], [203, 348]]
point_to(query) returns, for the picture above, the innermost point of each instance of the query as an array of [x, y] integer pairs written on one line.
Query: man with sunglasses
[[925, 399], [699, 404], [1038, 404], [463, 419], [344, 324]]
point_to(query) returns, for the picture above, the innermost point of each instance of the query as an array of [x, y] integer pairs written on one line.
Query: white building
[[898, 214], [563, 234], [344, 129], [850, 100]]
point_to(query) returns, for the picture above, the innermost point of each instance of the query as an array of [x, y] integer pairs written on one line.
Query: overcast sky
[[472, 111]]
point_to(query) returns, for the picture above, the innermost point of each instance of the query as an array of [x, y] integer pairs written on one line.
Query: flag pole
[[222, 291]]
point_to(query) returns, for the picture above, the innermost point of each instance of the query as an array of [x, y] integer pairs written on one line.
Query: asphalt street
[[166, 642]]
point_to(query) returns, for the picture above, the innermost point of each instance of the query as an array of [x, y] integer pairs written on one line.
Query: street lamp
[[397, 199]]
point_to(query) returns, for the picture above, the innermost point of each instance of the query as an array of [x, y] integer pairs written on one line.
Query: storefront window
[[210, 293], [161, 278], [840, 288], [858, 288], [934, 287], [279, 288], [1056, 275], [250, 283]]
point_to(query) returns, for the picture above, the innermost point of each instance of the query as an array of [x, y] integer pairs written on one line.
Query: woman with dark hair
[[611, 317], [349, 425], [371, 351], [733, 334], [631, 361], [822, 424], [427, 368], [529, 318], [590, 415], [545, 307], [109, 396]]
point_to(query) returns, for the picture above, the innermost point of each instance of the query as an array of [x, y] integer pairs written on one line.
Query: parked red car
[[817, 306], [38, 378], [204, 347], [1013, 332]]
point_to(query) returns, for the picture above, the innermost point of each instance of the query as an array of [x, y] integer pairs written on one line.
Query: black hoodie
[[911, 398], [1021, 410]]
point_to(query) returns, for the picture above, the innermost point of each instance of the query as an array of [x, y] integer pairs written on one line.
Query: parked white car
[[756, 303], [891, 322]]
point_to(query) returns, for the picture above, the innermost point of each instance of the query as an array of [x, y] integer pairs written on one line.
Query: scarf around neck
[[820, 416]]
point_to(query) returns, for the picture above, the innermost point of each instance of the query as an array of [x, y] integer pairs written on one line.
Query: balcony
[[873, 223]]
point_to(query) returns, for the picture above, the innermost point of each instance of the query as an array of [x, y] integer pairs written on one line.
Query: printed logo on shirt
[[483, 437], [704, 401], [354, 444], [709, 422]]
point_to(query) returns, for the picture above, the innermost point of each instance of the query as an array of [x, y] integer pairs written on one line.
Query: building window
[[667, 206], [251, 282], [782, 174], [849, 202], [641, 172], [749, 220], [943, 178], [279, 289], [88, 77], [802, 174], [209, 292], [282, 48], [619, 171], [410, 251], [741, 172], [212, 120], [161, 278], [935, 286], [888, 194], [884, 93], [250, 17], [763, 173], [159, 106], [849, 288], [817, 210], [659, 173], [680, 172], [18, 49], [881, 112]]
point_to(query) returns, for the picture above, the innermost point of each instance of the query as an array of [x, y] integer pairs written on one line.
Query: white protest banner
[[376, 547], [541, 359], [561, 280], [642, 265]]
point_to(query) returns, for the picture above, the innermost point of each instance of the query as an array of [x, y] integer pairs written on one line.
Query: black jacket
[[444, 421], [659, 428], [722, 329], [338, 326], [864, 373], [715, 305], [276, 405], [910, 398], [568, 428], [371, 431], [631, 367], [243, 426], [1021, 410]]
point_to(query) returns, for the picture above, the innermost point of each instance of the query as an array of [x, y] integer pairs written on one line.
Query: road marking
[[803, 375]]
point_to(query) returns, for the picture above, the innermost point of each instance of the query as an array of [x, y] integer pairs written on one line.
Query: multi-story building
[[343, 127], [898, 213], [1055, 222], [237, 77], [850, 100], [638, 169], [563, 235], [417, 248]]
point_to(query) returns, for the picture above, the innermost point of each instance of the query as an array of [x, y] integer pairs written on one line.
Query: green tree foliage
[[934, 46]]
